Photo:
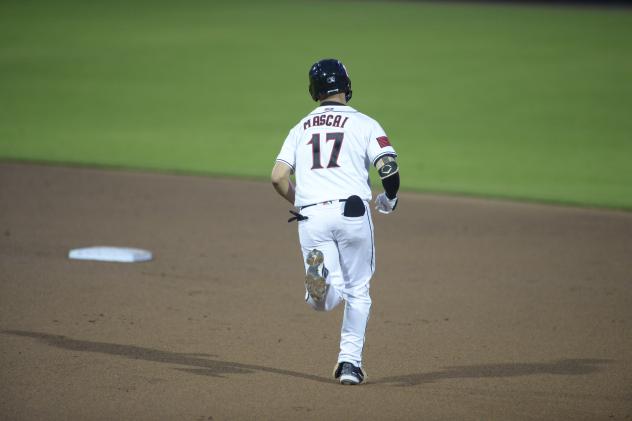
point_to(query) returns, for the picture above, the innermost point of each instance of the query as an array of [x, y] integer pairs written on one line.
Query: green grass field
[[506, 101]]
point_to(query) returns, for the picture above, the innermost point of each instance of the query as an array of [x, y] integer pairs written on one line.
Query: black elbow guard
[[391, 185], [387, 166]]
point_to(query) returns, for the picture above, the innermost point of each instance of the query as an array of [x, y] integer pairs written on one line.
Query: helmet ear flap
[[312, 92]]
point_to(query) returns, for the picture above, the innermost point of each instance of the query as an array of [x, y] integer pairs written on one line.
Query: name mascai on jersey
[[330, 151], [329, 120]]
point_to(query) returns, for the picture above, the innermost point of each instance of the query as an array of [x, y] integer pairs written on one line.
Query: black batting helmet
[[329, 77]]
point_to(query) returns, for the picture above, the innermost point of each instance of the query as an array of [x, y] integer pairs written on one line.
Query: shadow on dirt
[[203, 366], [217, 368], [565, 367]]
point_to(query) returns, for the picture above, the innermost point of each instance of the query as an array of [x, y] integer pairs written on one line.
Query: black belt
[[326, 201], [298, 217]]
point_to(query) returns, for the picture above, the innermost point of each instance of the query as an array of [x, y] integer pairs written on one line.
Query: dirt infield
[[482, 310]]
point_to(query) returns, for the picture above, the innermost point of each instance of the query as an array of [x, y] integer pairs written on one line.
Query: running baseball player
[[329, 152]]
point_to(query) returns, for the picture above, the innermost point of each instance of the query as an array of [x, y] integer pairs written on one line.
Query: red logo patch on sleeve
[[383, 141]]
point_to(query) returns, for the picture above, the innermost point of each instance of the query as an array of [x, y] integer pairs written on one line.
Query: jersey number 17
[[335, 152]]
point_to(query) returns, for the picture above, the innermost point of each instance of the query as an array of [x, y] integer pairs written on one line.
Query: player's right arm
[[381, 153], [388, 170], [281, 180]]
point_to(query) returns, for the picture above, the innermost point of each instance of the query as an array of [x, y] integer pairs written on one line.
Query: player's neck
[[337, 99]]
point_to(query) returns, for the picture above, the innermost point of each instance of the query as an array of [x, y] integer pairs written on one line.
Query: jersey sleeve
[[379, 144], [288, 150]]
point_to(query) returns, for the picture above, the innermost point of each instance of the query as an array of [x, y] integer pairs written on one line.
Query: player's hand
[[385, 205]]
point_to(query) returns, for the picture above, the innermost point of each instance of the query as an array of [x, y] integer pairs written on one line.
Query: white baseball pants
[[348, 248]]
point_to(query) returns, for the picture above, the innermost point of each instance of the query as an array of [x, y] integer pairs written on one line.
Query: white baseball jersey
[[330, 151]]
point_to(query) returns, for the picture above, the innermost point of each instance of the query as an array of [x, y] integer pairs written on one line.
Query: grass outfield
[[506, 101]]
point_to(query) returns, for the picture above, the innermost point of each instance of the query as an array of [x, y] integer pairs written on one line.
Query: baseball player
[[329, 152]]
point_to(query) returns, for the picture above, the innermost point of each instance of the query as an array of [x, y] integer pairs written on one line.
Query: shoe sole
[[349, 380], [314, 281]]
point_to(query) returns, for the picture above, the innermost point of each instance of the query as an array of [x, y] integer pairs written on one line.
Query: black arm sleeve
[[391, 185]]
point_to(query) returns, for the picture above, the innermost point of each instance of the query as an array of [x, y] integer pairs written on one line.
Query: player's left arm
[[388, 169], [281, 180]]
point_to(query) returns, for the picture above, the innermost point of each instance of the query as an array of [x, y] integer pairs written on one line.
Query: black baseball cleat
[[349, 374], [315, 282]]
